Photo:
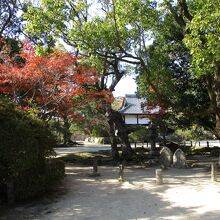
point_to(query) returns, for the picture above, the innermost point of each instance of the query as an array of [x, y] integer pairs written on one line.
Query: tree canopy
[[172, 45], [53, 82]]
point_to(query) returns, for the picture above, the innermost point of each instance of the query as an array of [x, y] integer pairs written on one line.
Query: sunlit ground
[[186, 194]]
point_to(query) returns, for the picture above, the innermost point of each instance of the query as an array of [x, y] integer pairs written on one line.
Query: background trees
[[26, 151], [53, 82], [172, 45], [158, 40], [192, 89], [170, 81], [202, 38], [95, 38]]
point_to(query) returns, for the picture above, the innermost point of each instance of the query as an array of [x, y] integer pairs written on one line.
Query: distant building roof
[[132, 105]]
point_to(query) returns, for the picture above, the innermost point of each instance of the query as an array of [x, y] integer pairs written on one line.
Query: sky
[[126, 85]]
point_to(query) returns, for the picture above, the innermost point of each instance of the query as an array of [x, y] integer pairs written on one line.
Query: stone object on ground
[[166, 157], [159, 177], [172, 146], [214, 171], [95, 168], [151, 162], [179, 159], [121, 173], [215, 151]]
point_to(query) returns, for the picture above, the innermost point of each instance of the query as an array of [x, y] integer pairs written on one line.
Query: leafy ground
[[86, 158], [141, 155]]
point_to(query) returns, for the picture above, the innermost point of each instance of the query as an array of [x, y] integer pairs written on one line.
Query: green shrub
[[25, 143], [55, 170], [31, 184], [99, 131], [140, 135]]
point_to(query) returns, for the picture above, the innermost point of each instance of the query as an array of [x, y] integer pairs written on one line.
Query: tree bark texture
[[116, 123], [114, 149], [217, 92], [66, 131]]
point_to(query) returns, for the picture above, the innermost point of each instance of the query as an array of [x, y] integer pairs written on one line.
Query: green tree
[[119, 35], [169, 81], [26, 149], [202, 38], [197, 29], [107, 39]]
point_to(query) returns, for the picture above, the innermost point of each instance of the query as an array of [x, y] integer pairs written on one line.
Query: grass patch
[[86, 158]]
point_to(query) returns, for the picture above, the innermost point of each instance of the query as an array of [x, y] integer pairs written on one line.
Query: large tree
[[150, 37], [203, 39], [170, 81], [54, 83], [101, 38], [186, 49]]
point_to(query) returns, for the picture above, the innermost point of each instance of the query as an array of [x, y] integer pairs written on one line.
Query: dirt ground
[[185, 194]]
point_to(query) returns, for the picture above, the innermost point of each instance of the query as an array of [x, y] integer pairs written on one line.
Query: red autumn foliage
[[152, 110], [53, 82]]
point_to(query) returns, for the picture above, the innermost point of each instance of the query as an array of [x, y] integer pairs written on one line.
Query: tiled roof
[[132, 105]]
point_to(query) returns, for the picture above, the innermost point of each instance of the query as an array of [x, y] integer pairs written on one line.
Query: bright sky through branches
[[127, 85]]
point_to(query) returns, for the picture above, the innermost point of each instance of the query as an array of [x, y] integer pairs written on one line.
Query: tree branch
[[10, 13], [179, 19], [185, 9], [123, 59]]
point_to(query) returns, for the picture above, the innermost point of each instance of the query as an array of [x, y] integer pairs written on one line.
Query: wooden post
[[121, 172], [159, 177], [214, 171], [199, 143], [191, 143], [207, 144], [95, 168], [135, 144], [10, 192]]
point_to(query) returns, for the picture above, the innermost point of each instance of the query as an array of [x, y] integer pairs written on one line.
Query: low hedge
[[26, 146], [31, 184]]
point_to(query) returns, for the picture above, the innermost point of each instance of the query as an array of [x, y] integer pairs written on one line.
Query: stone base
[[163, 167], [94, 174], [120, 180], [154, 153], [180, 166]]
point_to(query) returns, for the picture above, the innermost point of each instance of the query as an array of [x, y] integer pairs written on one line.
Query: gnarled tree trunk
[[113, 140], [116, 123], [66, 131], [217, 93]]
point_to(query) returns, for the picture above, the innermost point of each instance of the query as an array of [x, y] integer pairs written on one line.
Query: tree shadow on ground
[[104, 198]]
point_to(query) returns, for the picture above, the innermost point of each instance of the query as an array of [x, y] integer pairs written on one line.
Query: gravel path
[[186, 194], [87, 147]]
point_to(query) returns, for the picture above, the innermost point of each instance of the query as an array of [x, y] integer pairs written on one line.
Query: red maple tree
[[54, 82]]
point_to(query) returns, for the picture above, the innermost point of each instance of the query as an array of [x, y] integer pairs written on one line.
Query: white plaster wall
[[142, 121], [131, 119]]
